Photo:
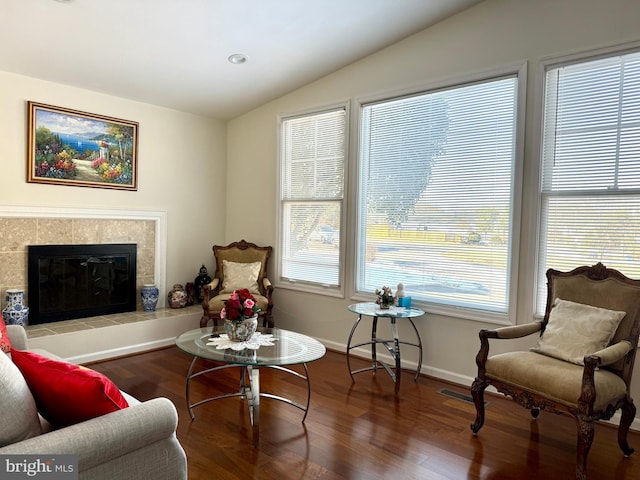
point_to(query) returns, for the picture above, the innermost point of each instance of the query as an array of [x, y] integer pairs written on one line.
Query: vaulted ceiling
[[175, 53]]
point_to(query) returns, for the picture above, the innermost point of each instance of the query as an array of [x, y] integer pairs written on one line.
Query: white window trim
[[509, 318], [317, 289]]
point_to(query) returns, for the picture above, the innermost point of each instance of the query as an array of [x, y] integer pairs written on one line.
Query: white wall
[[490, 35], [181, 168]]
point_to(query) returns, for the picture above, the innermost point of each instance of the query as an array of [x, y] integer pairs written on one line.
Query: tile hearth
[[66, 326]]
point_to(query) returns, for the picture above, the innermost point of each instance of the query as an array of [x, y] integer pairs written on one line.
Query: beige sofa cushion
[[19, 419], [575, 330]]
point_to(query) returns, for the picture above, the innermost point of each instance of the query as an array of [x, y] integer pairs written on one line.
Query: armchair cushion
[[240, 275], [613, 353], [19, 420], [575, 330], [552, 378], [66, 393], [518, 331]]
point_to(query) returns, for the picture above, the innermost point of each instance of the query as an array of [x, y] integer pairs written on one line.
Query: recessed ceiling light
[[238, 58]]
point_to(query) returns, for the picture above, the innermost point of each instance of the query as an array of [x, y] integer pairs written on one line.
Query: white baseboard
[[121, 352]]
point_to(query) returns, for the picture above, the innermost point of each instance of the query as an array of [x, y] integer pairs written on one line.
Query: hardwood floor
[[361, 430]]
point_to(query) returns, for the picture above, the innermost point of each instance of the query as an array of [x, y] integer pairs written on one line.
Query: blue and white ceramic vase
[[149, 294], [15, 313]]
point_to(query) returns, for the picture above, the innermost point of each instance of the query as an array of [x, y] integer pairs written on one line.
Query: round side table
[[373, 310]]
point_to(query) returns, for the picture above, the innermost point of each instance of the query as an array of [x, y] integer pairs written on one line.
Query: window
[[590, 188], [312, 165], [436, 194]]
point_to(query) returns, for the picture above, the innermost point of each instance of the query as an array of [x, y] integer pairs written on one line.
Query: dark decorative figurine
[[201, 280]]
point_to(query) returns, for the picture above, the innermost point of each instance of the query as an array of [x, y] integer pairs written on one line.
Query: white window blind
[[590, 189], [312, 162], [436, 194]]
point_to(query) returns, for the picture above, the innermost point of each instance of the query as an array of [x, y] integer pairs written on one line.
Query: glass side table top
[[373, 309], [289, 348]]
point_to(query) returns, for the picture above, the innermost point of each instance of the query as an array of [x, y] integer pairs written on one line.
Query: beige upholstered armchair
[[238, 265], [584, 358]]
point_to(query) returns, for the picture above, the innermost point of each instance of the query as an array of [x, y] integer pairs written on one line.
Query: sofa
[[137, 442]]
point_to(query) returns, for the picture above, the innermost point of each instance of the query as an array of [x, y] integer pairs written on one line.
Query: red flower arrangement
[[240, 306]]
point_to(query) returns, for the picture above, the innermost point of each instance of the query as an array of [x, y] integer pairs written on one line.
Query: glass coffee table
[[287, 348], [369, 309]]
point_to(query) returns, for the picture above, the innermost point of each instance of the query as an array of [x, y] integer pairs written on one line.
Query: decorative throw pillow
[[5, 341], [66, 393], [575, 330], [240, 275], [19, 419]]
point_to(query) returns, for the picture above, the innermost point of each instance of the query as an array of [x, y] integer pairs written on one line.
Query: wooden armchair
[[584, 359], [238, 265]]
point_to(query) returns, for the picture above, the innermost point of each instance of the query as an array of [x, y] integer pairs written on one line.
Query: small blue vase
[[149, 294], [15, 313]]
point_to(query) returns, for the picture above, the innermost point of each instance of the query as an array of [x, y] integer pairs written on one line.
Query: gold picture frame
[[69, 147]]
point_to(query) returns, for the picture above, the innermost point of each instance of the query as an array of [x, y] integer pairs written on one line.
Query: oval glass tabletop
[[373, 309], [289, 348]]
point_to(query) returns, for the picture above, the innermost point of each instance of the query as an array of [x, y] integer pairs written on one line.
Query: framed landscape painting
[[68, 147]]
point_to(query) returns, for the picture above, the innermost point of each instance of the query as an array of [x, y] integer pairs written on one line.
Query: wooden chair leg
[[205, 320], [477, 392], [267, 319], [628, 414], [586, 430]]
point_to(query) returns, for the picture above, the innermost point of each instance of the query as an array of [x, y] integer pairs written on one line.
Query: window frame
[[519, 71], [539, 290], [303, 286]]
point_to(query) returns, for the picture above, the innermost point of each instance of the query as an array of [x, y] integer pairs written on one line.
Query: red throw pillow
[[66, 393], [5, 342]]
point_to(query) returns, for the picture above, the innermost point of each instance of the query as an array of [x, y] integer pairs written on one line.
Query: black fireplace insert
[[77, 281]]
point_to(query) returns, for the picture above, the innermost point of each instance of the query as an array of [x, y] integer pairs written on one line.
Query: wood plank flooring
[[361, 430]]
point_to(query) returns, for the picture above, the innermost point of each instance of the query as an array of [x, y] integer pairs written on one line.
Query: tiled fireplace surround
[[23, 226]]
